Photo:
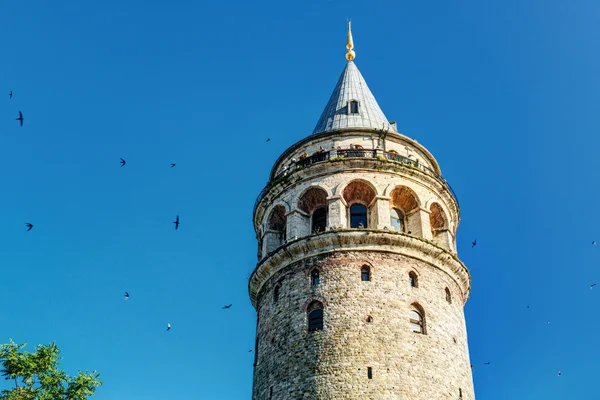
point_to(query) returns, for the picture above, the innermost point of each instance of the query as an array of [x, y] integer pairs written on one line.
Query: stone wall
[[332, 364]]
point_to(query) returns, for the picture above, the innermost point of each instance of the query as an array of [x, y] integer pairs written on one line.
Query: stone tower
[[358, 289]]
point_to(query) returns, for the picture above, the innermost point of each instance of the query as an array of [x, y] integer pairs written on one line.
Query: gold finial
[[350, 54]]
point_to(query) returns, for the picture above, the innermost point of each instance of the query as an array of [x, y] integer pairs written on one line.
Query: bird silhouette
[[29, 226], [10, 95], [268, 139], [250, 351], [126, 295], [474, 243], [559, 373], [229, 306], [123, 162], [168, 327], [487, 363], [172, 165], [592, 286], [20, 118], [527, 306], [176, 222]]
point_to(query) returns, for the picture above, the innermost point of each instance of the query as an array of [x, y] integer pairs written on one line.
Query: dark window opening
[[315, 320], [271, 393], [448, 296], [369, 319], [365, 274], [460, 393], [358, 216], [319, 220], [314, 277], [412, 279], [354, 107], [369, 372], [276, 294]]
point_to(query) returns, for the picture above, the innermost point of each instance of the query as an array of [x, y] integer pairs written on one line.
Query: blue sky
[[505, 94]]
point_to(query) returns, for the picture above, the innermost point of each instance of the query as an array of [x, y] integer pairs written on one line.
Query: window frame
[[315, 277], [365, 271], [419, 322], [402, 219], [353, 107], [413, 279], [312, 326], [366, 216], [323, 220]]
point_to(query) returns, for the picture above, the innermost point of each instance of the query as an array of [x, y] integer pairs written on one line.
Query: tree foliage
[[36, 375]]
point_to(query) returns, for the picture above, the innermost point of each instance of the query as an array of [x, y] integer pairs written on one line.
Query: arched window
[[358, 216], [365, 274], [417, 320], [412, 279], [314, 277], [448, 296], [276, 228], [397, 218], [353, 107], [319, 220], [315, 316], [276, 294]]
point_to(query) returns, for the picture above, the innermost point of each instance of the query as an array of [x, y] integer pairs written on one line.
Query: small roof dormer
[[352, 105]]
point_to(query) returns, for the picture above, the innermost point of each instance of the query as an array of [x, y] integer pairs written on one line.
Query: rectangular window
[[369, 372], [354, 107]]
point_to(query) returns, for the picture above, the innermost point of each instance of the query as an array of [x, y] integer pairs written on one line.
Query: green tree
[[37, 377]]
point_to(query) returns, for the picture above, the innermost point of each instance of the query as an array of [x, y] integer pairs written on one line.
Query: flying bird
[[29, 226], [268, 139], [126, 295], [168, 327], [20, 118], [250, 351], [474, 243], [229, 306], [487, 363], [176, 222], [559, 373], [527, 306], [172, 165], [10, 95], [123, 162], [592, 286]]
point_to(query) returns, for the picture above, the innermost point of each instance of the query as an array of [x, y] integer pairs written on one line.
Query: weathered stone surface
[[332, 364]]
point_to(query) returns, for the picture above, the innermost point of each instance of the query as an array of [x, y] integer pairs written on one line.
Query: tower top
[[350, 54], [352, 105]]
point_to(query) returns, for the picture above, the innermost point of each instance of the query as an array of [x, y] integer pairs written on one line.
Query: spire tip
[[350, 54]]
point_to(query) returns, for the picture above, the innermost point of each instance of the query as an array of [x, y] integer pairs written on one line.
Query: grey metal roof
[[352, 86]]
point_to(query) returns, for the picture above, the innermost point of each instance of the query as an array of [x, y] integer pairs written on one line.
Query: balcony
[[322, 156]]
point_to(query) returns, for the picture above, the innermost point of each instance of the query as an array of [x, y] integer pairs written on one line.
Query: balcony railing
[[347, 153]]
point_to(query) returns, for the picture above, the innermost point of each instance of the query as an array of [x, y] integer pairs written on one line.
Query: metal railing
[[346, 153]]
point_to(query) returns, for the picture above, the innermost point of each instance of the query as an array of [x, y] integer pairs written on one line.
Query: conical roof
[[340, 114]]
